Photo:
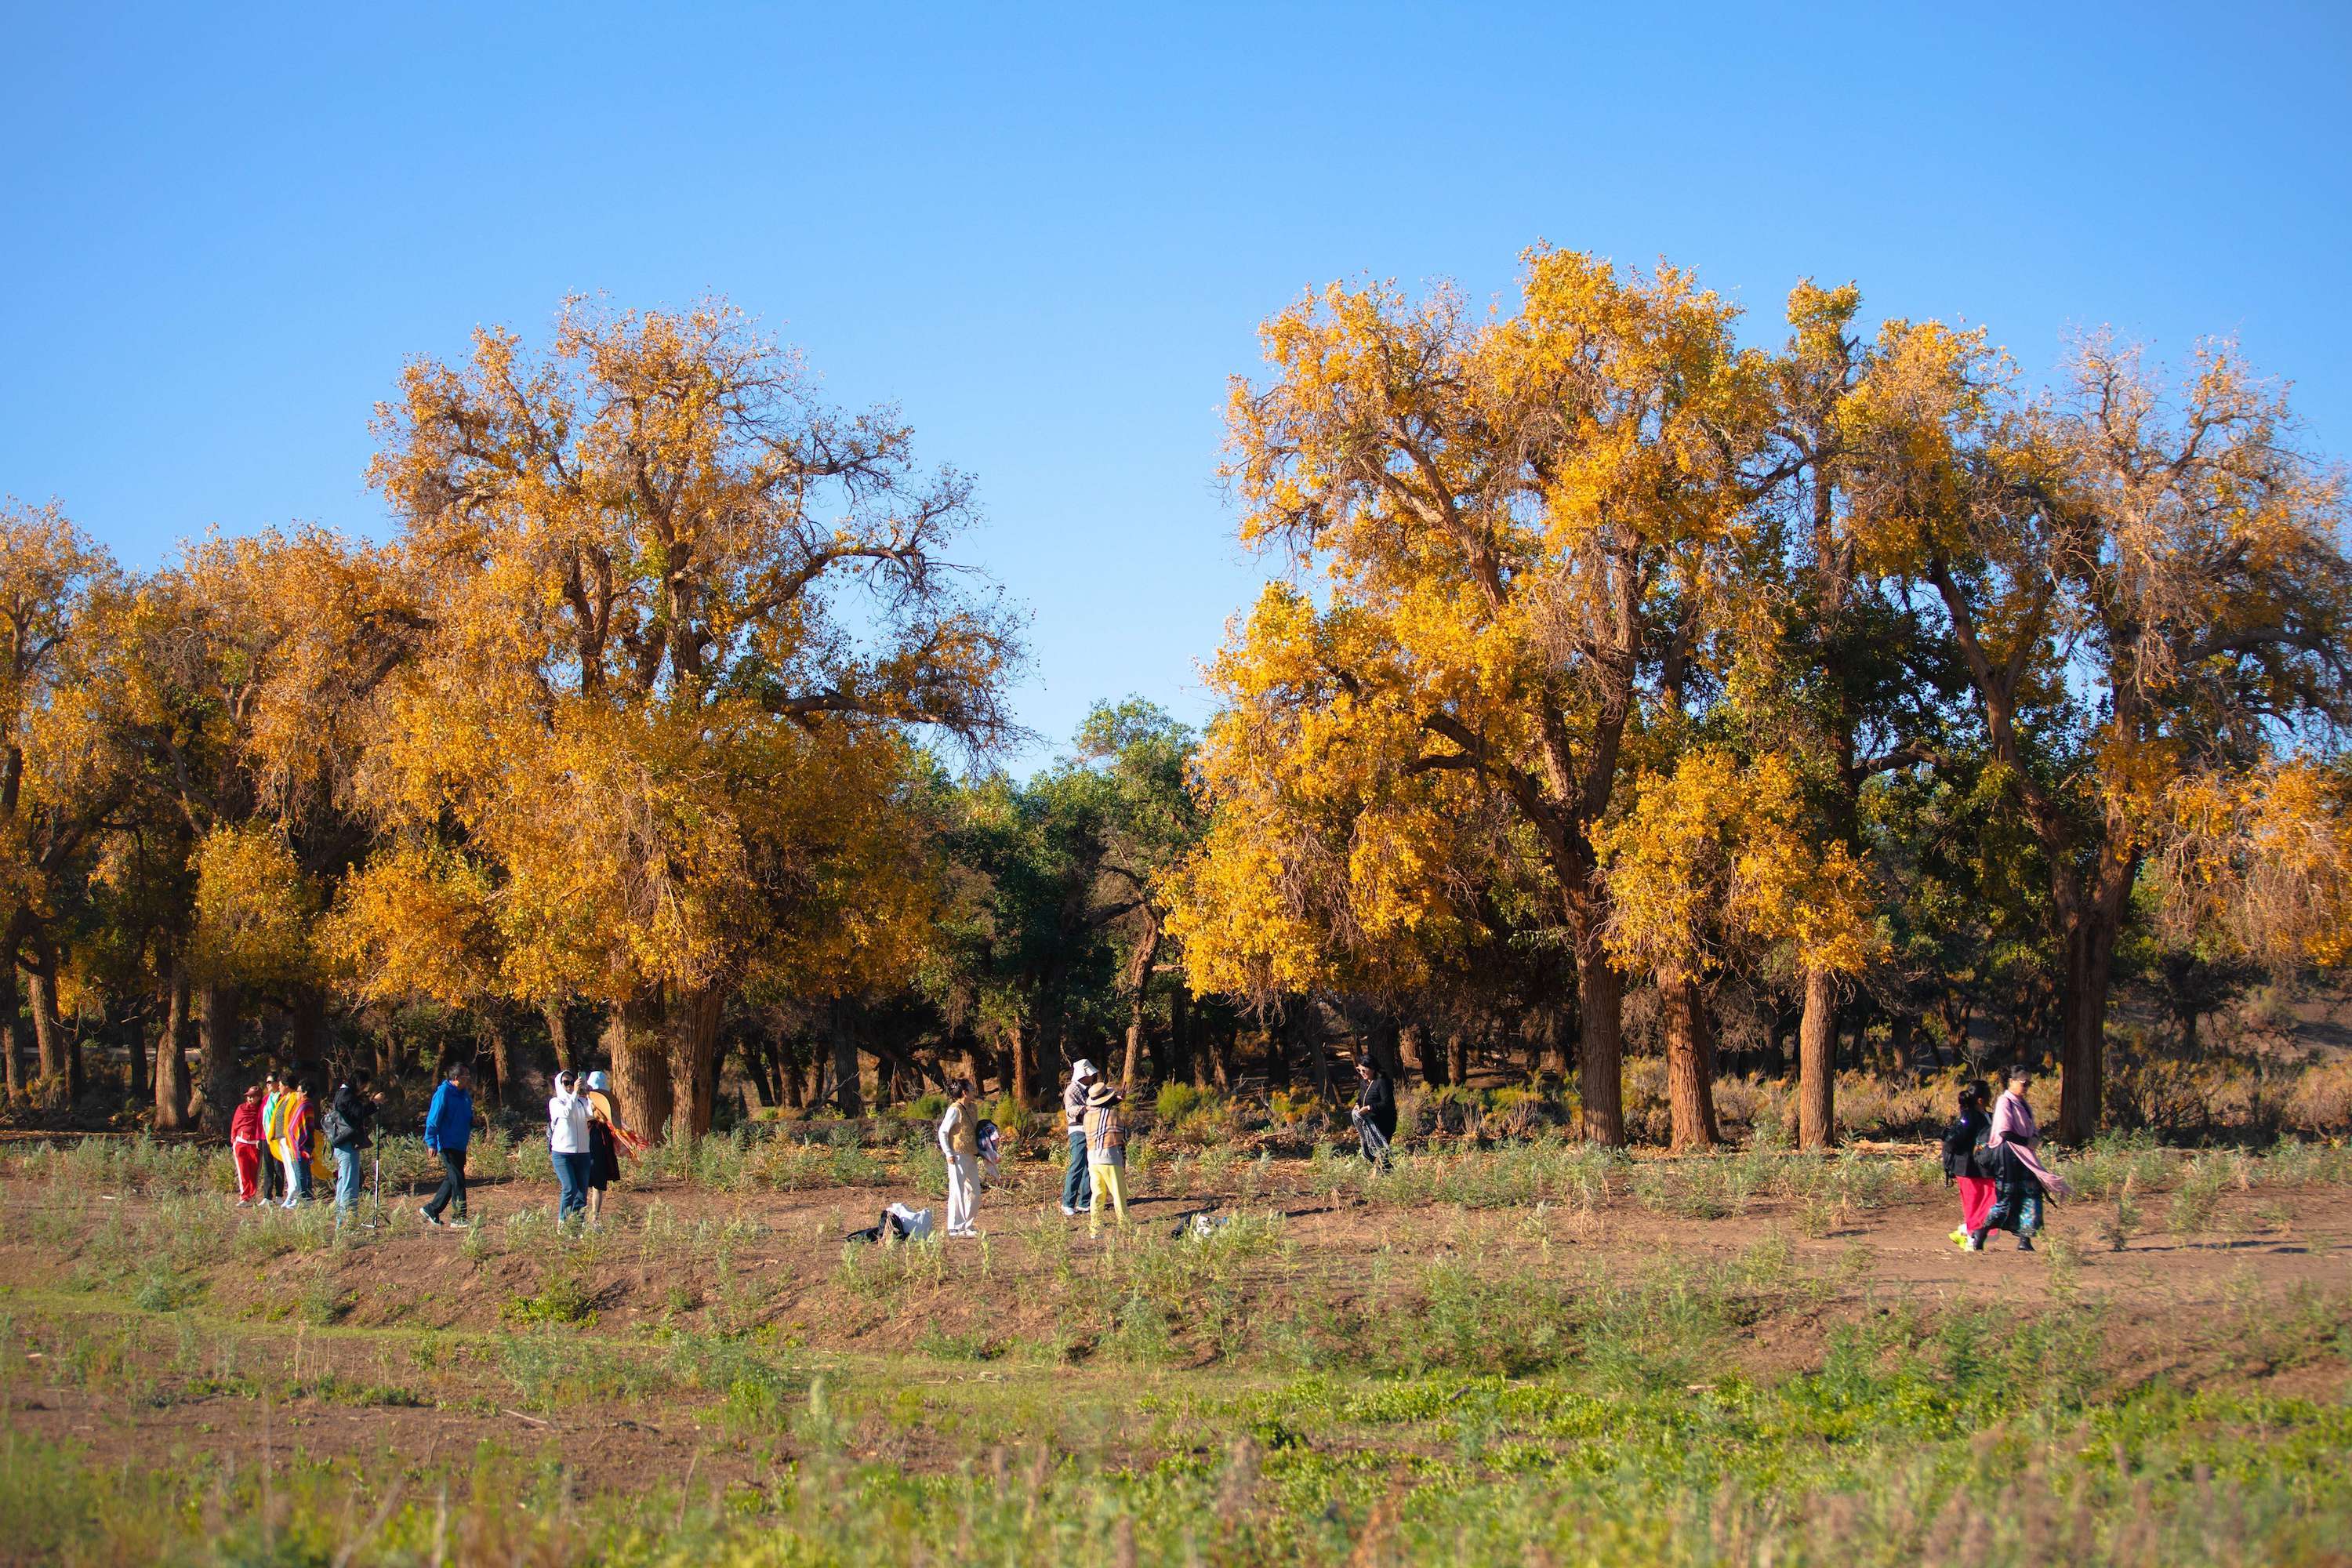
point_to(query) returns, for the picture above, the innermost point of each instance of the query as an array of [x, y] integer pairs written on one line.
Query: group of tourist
[[1993, 1157], [280, 1141]]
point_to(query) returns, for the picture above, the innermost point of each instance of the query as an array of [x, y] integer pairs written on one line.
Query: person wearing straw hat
[[1106, 1139], [1074, 1197]]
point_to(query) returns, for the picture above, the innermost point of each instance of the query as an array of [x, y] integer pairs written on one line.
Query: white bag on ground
[[917, 1221]]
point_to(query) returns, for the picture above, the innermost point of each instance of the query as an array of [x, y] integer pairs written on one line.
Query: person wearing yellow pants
[[1106, 1154]]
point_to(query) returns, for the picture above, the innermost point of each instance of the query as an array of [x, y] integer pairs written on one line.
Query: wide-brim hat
[[1102, 1094]]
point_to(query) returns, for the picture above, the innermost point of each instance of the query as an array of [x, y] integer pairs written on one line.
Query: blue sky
[[1049, 233]]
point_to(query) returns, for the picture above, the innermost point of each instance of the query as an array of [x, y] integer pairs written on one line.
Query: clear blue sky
[[1049, 235]]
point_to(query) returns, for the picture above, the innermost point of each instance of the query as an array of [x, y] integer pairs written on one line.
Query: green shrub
[[1174, 1101]]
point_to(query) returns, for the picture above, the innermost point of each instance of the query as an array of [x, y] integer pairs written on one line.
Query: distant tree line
[[1623, 681]]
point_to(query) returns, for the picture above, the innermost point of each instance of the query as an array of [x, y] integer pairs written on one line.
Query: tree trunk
[[2082, 1028], [172, 1054], [306, 1028], [216, 1086], [504, 1089], [694, 1048], [1457, 1056], [1601, 1047], [795, 1082], [632, 1044], [760, 1066], [1183, 1058], [559, 1036], [1690, 1068], [1222, 1045], [1305, 1024], [1024, 1073], [848, 1093], [47, 1038], [1382, 1044], [1816, 1069], [1413, 1047], [1278, 1055], [8, 1035]]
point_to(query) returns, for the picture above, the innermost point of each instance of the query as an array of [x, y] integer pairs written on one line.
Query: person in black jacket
[[1963, 1162], [350, 1127], [1374, 1113]]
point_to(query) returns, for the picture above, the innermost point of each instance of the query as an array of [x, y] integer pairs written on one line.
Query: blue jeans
[[347, 1179], [572, 1185], [2029, 1212], [1076, 1193]]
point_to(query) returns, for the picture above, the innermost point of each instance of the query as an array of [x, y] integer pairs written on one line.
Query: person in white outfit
[[960, 1142], [567, 1143]]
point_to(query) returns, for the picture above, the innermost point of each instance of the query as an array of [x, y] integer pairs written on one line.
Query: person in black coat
[[351, 1128], [1374, 1113]]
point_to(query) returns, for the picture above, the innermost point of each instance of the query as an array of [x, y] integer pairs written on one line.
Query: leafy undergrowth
[[1949, 1437]]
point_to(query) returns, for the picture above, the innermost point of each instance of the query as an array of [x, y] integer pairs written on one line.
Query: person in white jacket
[[960, 1142], [567, 1141]]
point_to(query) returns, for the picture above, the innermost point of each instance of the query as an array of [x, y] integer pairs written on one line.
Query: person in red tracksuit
[[245, 1145]]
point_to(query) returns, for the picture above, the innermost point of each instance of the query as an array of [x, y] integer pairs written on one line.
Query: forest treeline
[[1620, 681]]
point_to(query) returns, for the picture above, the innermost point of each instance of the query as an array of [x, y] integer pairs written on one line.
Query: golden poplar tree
[[2146, 583], [1522, 525], [685, 616]]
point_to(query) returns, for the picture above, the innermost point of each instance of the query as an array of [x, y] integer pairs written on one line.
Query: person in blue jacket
[[448, 1128]]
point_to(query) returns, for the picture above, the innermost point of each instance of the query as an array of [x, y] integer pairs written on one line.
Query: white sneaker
[[1067, 1209]]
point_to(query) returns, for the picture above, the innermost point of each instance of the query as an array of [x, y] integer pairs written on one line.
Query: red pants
[[1975, 1201], [248, 1171]]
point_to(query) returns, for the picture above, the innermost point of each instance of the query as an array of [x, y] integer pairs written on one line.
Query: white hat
[[1082, 1069]]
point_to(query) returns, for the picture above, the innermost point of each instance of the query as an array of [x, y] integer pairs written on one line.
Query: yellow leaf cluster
[[1714, 854]]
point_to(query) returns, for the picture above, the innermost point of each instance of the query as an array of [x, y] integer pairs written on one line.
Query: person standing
[[1076, 1198], [273, 1128], [606, 1137], [245, 1146], [1374, 1113], [567, 1140], [448, 1128], [302, 1122], [960, 1142], [349, 1127], [1105, 1138], [1963, 1139]]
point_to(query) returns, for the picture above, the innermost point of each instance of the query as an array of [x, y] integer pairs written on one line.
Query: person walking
[[1375, 1112], [448, 1128], [349, 1126], [2020, 1181], [1963, 1162], [245, 1146], [1106, 1139], [607, 1136], [567, 1140], [301, 1128], [1076, 1197], [960, 1142]]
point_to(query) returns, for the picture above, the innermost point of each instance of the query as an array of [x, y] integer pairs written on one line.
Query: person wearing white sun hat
[[1076, 1197], [606, 1137]]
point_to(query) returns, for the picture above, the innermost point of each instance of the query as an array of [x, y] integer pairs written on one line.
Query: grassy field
[[1526, 1353]]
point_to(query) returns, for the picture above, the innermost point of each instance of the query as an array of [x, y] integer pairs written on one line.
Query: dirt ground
[[2164, 1293]]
